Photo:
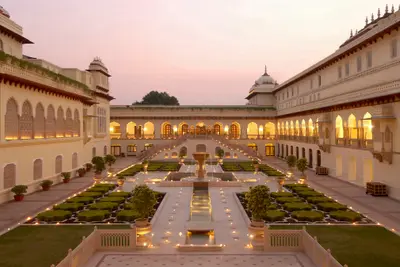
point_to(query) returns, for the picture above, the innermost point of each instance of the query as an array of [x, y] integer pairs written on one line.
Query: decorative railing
[[100, 240], [298, 241]]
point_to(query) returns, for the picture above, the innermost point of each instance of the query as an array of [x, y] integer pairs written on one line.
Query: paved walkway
[[11, 213], [383, 210]]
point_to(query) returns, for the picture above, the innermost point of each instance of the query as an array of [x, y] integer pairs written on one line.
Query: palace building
[[342, 113], [52, 119]]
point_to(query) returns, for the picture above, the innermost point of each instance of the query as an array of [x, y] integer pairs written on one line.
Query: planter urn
[[18, 197], [66, 181], [120, 182], [46, 188], [256, 233], [143, 228]]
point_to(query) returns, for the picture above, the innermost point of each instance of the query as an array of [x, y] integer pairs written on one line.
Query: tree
[[258, 201], [158, 98], [291, 161], [302, 165]]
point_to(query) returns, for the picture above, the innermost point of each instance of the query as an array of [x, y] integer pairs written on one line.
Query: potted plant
[[89, 166], [45, 184], [257, 202], [301, 165], [145, 164], [220, 154], [110, 160], [256, 165], [66, 177], [19, 192], [81, 172], [121, 180], [99, 167], [143, 201], [291, 161]]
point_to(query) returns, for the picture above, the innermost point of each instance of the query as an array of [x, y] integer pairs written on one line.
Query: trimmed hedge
[[101, 189], [93, 215], [54, 215], [349, 216], [307, 193], [129, 206], [272, 207], [331, 206], [74, 206], [316, 200], [127, 215], [281, 194], [113, 199], [274, 215], [91, 194], [120, 194], [283, 200], [85, 200], [297, 206], [308, 215], [110, 186], [302, 189], [104, 206], [291, 186]]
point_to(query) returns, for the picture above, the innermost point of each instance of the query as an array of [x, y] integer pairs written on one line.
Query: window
[[283, 96], [394, 48], [340, 72], [297, 90], [131, 148], [287, 93], [311, 83], [359, 64], [319, 80], [318, 96], [347, 69], [292, 91], [101, 120], [369, 59]]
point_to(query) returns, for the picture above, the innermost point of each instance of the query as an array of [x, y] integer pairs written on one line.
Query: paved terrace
[[383, 210], [12, 212]]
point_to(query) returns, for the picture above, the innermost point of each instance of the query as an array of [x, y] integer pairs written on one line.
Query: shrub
[[46, 183], [69, 206], [297, 206], [113, 199], [66, 175], [272, 207], [105, 185], [349, 216], [274, 215], [119, 194], [104, 206], [19, 190], [331, 206], [54, 215], [302, 189], [99, 164], [93, 215], [312, 216], [90, 194], [258, 201], [281, 194], [308, 193], [109, 159], [143, 201], [127, 215], [316, 200], [301, 165], [129, 206], [288, 199], [101, 189], [84, 200], [290, 186], [291, 161]]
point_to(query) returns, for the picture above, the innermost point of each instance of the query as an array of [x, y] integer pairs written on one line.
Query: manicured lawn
[[41, 246], [358, 246]]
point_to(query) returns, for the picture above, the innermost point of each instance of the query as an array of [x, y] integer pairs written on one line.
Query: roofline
[[349, 48], [196, 106], [18, 37]]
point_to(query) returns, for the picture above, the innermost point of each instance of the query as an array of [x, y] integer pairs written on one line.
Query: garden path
[[384, 210]]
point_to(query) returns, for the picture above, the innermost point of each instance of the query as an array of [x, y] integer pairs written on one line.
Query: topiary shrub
[[110, 186], [120, 194], [272, 207], [91, 194], [291, 161], [54, 215], [311, 216], [331, 206], [290, 186], [104, 206], [113, 199], [302, 189], [281, 194], [258, 201], [307, 193], [73, 207], [349, 216], [93, 215], [297, 206], [316, 200], [85, 200], [283, 200], [129, 206], [101, 189], [274, 215], [143, 201], [127, 215]]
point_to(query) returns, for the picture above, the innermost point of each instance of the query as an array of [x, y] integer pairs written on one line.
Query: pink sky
[[202, 52]]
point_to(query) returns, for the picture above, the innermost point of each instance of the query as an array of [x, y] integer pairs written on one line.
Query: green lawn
[[40, 246], [358, 246]]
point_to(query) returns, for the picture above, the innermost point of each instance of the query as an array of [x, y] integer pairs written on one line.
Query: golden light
[[111, 129], [175, 129], [226, 129]]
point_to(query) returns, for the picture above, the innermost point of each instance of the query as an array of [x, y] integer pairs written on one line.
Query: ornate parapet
[[383, 156]]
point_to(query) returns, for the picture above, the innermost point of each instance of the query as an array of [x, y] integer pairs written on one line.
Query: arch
[[218, 128], [252, 130], [367, 126], [297, 152], [74, 160], [58, 164], [310, 127], [287, 132], [131, 128], [291, 129], [77, 124], [319, 159], [183, 128], [105, 150], [279, 128], [339, 127], [60, 123], [297, 128], [201, 128], [234, 130], [291, 150], [352, 126], [174, 155], [69, 124], [201, 148], [93, 152], [115, 127], [269, 130], [166, 129], [37, 169], [166, 155], [310, 158], [9, 175], [303, 153], [26, 121], [50, 122], [39, 122], [183, 151], [11, 120], [303, 128], [352, 169], [269, 149], [339, 166], [148, 130]]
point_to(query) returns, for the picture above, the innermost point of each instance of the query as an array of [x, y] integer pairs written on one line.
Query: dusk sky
[[201, 51]]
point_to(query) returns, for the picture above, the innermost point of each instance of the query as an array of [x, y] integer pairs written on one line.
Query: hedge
[[308, 215], [274, 215], [119, 194], [54, 215], [93, 215], [349, 216], [74, 206], [113, 199], [91, 194], [331, 206], [288, 199], [316, 200], [281, 194], [297, 206], [127, 215], [104, 206], [84, 200]]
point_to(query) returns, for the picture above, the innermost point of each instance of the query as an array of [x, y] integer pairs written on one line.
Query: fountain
[[201, 157]]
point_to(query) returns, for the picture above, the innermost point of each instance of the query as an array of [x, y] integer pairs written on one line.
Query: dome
[[265, 79], [4, 12], [264, 84]]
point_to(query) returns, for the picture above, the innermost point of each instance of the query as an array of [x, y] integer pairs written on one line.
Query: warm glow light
[[111, 129]]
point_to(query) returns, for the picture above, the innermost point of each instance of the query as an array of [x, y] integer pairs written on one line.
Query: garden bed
[[304, 205], [98, 204], [247, 166]]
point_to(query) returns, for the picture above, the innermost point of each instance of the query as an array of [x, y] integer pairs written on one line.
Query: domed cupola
[[98, 65], [4, 12], [261, 91], [265, 79]]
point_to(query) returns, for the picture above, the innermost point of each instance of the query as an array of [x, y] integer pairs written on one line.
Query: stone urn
[[281, 181], [120, 181], [256, 234], [143, 230]]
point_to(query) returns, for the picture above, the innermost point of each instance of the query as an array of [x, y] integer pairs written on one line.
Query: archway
[[339, 127], [234, 130], [367, 126], [166, 129], [269, 130], [217, 128], [183, 128], [310, 127], [352, 125], [368, 171], [318, 158], [297, 152], [303, 128], [291, 150], [131, 129], [310, 158], [183, 152], [269, 149], [148, 130], [303, 153], [297, 128], [339, 166], [201, 128], [252, 130], [352, 172]]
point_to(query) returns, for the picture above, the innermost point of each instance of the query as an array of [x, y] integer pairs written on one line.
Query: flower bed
[[302, 204], [98, 204]]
